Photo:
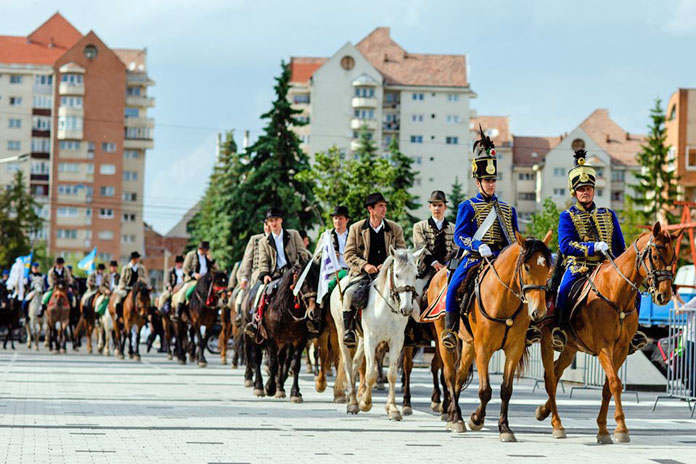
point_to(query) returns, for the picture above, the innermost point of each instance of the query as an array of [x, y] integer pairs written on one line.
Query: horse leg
[[249, 368], [435, 366], [29, 338], [552, 374], [224, 336], [394, 348], [454, 414], [612, 387], [485, 392], [276, 383], [456, 424], [513, 355], [371, 373], [257, 356], [137, 342], [407, 367], [295, 395], [323, 361], [349, 372], [202, 343], [380, 369]]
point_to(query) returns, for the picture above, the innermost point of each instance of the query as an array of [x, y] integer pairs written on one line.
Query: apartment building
[[422, 100], [681, 136], [79, 108]]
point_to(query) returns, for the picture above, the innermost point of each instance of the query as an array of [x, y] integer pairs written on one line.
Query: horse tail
[[523, 363]]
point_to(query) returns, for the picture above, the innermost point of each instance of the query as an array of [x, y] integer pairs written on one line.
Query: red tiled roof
[[133, 58], [502, 123], [619, 144], [43, 46], [302, 67], [523, 149], [402, 68]]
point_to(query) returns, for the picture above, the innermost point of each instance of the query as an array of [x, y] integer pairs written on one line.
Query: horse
[[36, 321], [58, 318], [88, 320], [202, 310], [10, 313], [496, 320], [329, 355], [134, 314], [390, 304], [284, 321], [606, 321], [105, 333]]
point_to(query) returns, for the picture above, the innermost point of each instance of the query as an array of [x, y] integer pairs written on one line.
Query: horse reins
[[300, 297], [396, 291]]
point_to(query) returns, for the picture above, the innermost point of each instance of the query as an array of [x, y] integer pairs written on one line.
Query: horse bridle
[[395, 291], [653, 276], [524, 288], [302, 298]]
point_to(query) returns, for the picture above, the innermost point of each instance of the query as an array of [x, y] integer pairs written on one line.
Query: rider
[[131, 273], [586, 235], [436, 236], [95, 283], [280, 250], [197, 263], [485, 225], [367, 246], [248, 271], [114, 276], [57, 273], [175, 279]]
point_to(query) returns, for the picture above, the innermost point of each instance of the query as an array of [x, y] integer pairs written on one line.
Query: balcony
[[364, 102], [357, 124], [139, 78], [142, 144], [70, 134], [140, 101], [71, 111], [392, 126], [67, 88], [148, 123], [76, 221]]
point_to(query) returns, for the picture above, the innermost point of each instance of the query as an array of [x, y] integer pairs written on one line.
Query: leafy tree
[[455, 197], [632, 221], [18, 219], [656, 190], [331, 186], [401, 201], [544, 220]]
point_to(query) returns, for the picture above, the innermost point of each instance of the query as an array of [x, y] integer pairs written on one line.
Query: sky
[[545, 64]]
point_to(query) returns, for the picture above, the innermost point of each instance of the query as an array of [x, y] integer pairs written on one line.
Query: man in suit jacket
[[436, 236]]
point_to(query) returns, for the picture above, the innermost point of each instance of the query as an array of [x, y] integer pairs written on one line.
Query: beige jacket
[[193, 266], [294, 251], [358, 243], [127, 272], [249, 269], [424, 235], [52, 276]]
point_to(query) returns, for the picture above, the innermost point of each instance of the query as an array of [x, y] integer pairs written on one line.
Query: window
[[15, 101], [127, 238], [67, 189], [72, 102], [139, 133], [14, 123], [69, 123], [132, 112], [14, 79], [452, 140], [129, 217], [14, 145], [67, 211], [130, 175], [559, 192], [417, 181], [70, 145], [525, 176], [301, 98], [617, 195], [68, 167], [40, 145], [39, 167], [452, 119], [130, 196], [417, 96], [133, 91], [104, 257], [365, 92], [106, 213], [105, 235], [364, 114], [70, 234], [618, 176], [559, 172], [526, 196], [418, 159], [108, 147], [12, 167], [416, 139], [417, 118], [131, 154], [107, 190], [107, 169], [453, 97], [356, 135], [41, 123], [71, 79], [302, 119], [45, 79], [500, 176], [42, 101], [600, 192]]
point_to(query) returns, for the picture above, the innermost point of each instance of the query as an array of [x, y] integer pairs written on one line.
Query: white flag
[[329, 265]]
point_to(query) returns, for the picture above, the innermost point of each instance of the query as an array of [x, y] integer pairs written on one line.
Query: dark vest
[[133, 279], [439, 251], [378, 249], [57, 277]]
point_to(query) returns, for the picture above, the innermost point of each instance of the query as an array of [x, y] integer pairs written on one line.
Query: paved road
[[77, 408]]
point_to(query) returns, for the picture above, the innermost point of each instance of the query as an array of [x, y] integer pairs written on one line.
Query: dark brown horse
[[58, 317], [88, 320], [605, 324], [10, 313], [134, 314], [423, 335], [284, 321]]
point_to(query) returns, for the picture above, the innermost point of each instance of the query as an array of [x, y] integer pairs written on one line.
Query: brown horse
[[134, 314], [606, 322], [423, 335], [88, 320], [508, 293], [58, 318]]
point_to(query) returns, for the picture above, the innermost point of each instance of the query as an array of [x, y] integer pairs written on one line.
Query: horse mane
[[382, 275], [532, 246]]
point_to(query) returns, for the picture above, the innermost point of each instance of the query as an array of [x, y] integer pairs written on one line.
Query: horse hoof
[[120, 356], [248, 383], [202, 363], [296, 399], [507, 437], [137, 357], [456, 427], [340, 399], [365, 406], [407, 411], [352, 409], [395, 416], [259, 392], [170, 357], [540, 413], [223, 361], [436, 407], [604, 439], [309, 370], [444, 417], [131, 356], [559, 433], [473, 426], [233, 366], [320, 385], [279, 394], [622, 437], [62, 351]]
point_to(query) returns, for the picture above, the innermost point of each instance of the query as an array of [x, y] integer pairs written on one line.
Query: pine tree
[[455, 197], [18, 220], [545, 220], [656, 189], [401, 201]]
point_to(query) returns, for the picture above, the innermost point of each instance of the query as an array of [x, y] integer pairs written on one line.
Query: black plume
[[581, 153], [484, 142]]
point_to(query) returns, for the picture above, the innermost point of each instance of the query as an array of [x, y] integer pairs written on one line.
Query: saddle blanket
[[436, 309], [580, 290]]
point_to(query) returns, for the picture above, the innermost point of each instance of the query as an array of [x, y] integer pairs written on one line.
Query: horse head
[[37, 285], [398, 277], [535, 263], [141, 298], [218, 280], [655, 260], [307, 296]]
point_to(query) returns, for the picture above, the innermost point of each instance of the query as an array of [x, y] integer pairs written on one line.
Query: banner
[[88, 262], [329, 265]]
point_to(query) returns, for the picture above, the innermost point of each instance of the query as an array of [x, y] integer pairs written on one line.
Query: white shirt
[[439, 223], [100, 278], [342, 238], [133, 266], [378, 228], [179, 275], [281, 260], [203, 265]]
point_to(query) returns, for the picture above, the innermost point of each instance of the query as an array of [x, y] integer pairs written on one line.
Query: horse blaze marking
[[541, 261]]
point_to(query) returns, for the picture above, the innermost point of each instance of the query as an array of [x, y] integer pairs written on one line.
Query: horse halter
[[301, 299], [653, 275], [524, 288], [395, 291]]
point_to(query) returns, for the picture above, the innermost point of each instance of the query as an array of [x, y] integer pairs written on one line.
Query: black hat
[[101, 266], [274, 213], [179, 259], [134, 255], [340, 211], [60, 260], [484, 165], [374, 198], [113, 263], [438, 195], [204, 245]]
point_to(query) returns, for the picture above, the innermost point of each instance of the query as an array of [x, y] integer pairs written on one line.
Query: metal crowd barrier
[[594, 376], [680, 350]]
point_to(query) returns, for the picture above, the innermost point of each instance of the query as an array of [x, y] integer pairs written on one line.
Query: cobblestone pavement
[[78, 408]]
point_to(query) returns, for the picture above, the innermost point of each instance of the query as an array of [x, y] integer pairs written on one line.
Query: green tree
[[656, 189], [544, 220], [401, 200], [331, 186], [455, 197], [632, 221], [18, 220]]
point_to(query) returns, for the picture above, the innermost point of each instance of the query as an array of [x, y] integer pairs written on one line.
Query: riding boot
[[150, 340], [251, 329], [350, 338], [533, 334], [558, 333], [638, 341], [449, 336]]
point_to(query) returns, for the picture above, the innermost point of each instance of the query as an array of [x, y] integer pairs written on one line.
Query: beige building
[[422, 100], [681, 136]]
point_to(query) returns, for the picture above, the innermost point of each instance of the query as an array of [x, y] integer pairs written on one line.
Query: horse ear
[[392, 251], [547, 237], [520, 238], [657, 227], [674, 235], [419, 253]]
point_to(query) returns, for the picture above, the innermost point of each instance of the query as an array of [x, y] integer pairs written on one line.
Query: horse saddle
[[361, 293], [577, 295], [466, 291]]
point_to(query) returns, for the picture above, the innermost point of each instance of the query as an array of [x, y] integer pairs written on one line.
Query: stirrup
[[533, 335], [638, 342], [250, 329], [350, 339], [449, 339], [559, 339]]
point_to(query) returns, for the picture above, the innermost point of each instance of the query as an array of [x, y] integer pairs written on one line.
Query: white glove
[[601, 247], [484, 250]]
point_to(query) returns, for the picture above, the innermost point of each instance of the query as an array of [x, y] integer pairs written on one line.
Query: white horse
[[36, 322], [390, 303]]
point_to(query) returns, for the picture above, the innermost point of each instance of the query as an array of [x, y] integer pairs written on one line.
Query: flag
[[88, 262], [18, 273], [329, 265]]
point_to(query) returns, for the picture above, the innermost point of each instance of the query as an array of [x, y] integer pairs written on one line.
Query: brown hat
[[438, 195]]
